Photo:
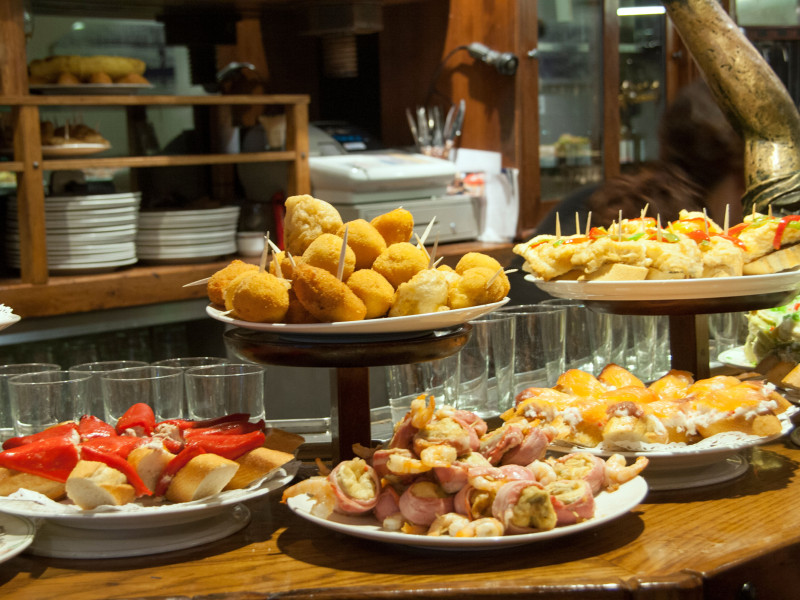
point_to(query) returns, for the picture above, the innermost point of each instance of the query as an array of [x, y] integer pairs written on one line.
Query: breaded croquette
[[395, 226], [305, 220], [325, 297], [400, 262], [324, 253], [375, 292], [366, 241], [219, 281], [478, 259], [285, 263], [297, 313], [258, 297], [425, 292], [472, 289]]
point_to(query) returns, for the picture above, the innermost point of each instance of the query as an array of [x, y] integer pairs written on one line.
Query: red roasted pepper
[[175, 465], [183, 424], [234, 428], [90, 427], [63, 430], [228, 446], [51, 458], [121, 445], [139, 415], [120, 464], [776, 242]]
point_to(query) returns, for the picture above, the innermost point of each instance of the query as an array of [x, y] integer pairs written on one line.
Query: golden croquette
[[325, 297], [285, 262], [425, 292], [215, 288], [395, 226], [306, 219], [366, 241], [400, 262], [324, 253], [471, 289], [374, 290], [478, 259], [258, 297]]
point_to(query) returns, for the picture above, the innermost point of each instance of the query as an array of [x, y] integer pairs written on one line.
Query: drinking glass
[[41, 400]]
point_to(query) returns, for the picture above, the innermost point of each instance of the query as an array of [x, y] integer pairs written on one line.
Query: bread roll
[[92, 484], [11, 481], [256, 464], [204, 475], [84, 67], [774, 262], [150, 463]]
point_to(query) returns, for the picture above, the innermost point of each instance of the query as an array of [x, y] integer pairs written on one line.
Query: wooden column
[[611, 119]]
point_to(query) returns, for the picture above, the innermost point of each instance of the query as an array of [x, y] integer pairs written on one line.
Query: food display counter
[[738, 539]]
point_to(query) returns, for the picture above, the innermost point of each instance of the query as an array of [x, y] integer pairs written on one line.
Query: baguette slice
[[774, 262], [150, 463], [617, 272], [92, 484], [256, 464], [285, 441], [204, 475], [12, 480]]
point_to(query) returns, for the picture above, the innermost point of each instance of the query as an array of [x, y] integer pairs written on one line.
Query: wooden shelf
[[152, 100]]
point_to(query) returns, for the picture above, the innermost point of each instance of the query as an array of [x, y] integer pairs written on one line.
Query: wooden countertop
[[696, 543]]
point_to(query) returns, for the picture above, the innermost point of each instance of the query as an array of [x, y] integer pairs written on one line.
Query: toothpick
[[769, 211], [277, 263], [291, 259], [426, 233], [438, 260], [577, 224], [558, 227], [644, 211], [264, 254], [342, 255], [705, 221], [726, 222], [658, 227], [225, 313], [619, 229], [433, 254], [421, 246], [493, 277], [509, 271], [198, 282], [588, 223]]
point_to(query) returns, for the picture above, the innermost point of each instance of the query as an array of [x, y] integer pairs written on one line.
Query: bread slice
[[205, 475], [150, 463], [792, 378], [774, 262], [12, 480], [617, 272], [278, 439], [256, 464], [655, 274], [92, 484]]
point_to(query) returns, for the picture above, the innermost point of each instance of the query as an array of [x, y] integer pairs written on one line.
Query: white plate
[[77, 149], [426, 322], [8, 321], [181, 218], [133, 516], [735, 357], [90, 202], [60, 541], [170, 237], [17, 534], [609, 506], [674, 289], [68, 259], [165, 252]]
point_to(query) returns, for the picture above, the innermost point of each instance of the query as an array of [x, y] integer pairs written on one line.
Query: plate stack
[[85, 234], [187, 236]]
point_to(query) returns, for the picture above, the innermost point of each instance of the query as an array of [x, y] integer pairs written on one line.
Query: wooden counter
[[708, 542]]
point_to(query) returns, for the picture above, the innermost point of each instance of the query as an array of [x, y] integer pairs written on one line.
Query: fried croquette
[[366, 241], [325, 297], [425, 292], [478, 259], [324, 253], [375, 292], [306, 219], [395, 226], [219, 281], [400, 262], [297, 313], [472, 289], [258, 297]]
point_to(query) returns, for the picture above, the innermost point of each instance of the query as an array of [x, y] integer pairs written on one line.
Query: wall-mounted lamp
[[505, 62]]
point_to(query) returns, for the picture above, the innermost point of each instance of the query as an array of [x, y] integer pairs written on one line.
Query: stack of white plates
[[85, 234], [186, 236]]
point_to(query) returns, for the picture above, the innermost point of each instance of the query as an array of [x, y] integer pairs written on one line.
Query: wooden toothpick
[[342, 255], [726, 223], [264, 254], [588, 223], [558, 227], [658, 227], [198, 282]]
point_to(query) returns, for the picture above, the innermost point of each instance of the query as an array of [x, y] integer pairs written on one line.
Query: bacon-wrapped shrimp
[[542, 471], [355, 486], [417, 417], [319, 490], [617, 471], [423, 501], [387, 505], [448, 524], [496, 443], [524, 507], [455, 475], [582, 465], [533, 446], [483, 527], [572, 500], [446, 428], [475, 498]]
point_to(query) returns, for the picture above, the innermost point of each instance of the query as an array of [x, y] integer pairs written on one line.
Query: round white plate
[[675, 289], [181, 218], [60, 541], [66, 259], [166, 252], [77, 149], [609, 506], [425, 322], [170, 237], [735, 357], [91, 202], [8, 321], [17, 534], [134, 516]]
